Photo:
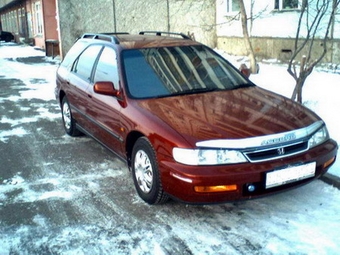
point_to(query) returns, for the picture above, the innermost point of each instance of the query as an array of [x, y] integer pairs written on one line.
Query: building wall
[[50, 21], [272, 30], [51, 36], [264, 20], [21, 19], [13, 19], [277, 48], [79, 16], [5, 2], [209, 21]]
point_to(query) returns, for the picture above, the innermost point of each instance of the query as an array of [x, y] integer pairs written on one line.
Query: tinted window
[[84, 64], [141, 77], [73, 53], [107, 67], [159, 72]]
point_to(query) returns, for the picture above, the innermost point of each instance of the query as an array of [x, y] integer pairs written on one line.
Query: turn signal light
[[219, 188], [329, 162]]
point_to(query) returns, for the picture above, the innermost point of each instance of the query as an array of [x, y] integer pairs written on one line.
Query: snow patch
[[5, 135], [17, 179], [56, 194]]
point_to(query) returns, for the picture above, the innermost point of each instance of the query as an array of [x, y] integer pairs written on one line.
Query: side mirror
[[105, 88], [245, 70]]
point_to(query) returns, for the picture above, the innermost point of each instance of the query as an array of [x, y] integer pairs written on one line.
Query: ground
[[63, 195]]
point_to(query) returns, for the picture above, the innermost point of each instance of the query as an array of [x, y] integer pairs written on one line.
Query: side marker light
[[219, 188]]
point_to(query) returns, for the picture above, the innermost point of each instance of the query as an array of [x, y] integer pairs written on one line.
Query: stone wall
[[79, 16], [277, 48]]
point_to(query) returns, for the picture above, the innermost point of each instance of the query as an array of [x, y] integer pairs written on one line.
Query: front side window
[[106, 69], [173, 71], [84, 63]]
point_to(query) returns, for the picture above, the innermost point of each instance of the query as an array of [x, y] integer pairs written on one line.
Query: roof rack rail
[[114, 33], [110, 36], [159, 33]]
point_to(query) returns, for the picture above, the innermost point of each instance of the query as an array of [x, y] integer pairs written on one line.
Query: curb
[[331, 179]]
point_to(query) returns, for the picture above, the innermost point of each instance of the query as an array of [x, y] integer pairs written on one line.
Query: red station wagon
[[189, 125]]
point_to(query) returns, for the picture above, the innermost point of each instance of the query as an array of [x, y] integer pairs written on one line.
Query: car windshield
[[170, 71]]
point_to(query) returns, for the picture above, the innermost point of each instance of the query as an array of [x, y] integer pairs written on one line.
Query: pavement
[[65, 195], [332, 178]]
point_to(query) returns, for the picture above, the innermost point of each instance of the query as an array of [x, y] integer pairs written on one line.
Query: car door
[[79, 82], [105, 110]]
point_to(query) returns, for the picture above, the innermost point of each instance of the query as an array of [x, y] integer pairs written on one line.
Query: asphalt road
[[63, 195]]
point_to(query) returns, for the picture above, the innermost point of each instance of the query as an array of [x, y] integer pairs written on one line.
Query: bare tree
[[249, 47], [316, 16]]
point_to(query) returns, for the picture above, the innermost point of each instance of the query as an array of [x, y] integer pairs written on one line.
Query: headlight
[[207, 157], [319, 137]]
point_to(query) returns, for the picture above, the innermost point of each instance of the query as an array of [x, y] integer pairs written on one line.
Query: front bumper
[[179, 181]]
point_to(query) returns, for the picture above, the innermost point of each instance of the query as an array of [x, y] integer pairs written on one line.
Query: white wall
[[268, 23]]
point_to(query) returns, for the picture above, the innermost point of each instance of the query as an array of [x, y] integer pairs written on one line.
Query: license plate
[[290, 174]]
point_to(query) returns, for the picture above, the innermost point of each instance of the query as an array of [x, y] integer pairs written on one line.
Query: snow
[[14, 132], [320, 94], [276, 225]]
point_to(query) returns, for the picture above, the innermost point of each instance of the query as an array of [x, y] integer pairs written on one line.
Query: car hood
[[235, 114]]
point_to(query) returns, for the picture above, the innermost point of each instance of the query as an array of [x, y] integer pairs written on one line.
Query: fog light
[[219, 188], [251, 187]]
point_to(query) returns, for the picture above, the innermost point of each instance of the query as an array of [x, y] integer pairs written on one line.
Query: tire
[[8, 39], [68, 122], [145, 173]]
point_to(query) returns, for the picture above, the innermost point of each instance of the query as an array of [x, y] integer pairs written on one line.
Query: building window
[[287, 4], [22, 21], [233, 6], [38, 18]]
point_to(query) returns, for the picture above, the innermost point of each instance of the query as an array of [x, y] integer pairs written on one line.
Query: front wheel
[[68, 121], [145, 173]]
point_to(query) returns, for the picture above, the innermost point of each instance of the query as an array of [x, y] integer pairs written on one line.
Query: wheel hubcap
[[67, 116], [143, 171]]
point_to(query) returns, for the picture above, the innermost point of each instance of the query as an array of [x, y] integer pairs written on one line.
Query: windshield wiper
[[203, 90], [194, 91], [244, 85]]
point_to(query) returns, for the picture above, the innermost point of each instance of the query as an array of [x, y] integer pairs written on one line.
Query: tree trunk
[[300, 80], [249, 47], [297, 93]]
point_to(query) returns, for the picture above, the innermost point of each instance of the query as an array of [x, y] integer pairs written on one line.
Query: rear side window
[[107, 67], [84, 64], [73, 53]]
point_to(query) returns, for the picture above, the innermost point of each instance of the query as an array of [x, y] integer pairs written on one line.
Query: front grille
[[276, 152]]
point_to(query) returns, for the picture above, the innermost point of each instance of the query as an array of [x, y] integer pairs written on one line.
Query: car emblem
[[281, 151], [285, 138]]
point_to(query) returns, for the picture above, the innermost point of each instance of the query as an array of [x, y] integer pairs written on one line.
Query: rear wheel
[[145, 173], [68, 121]]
